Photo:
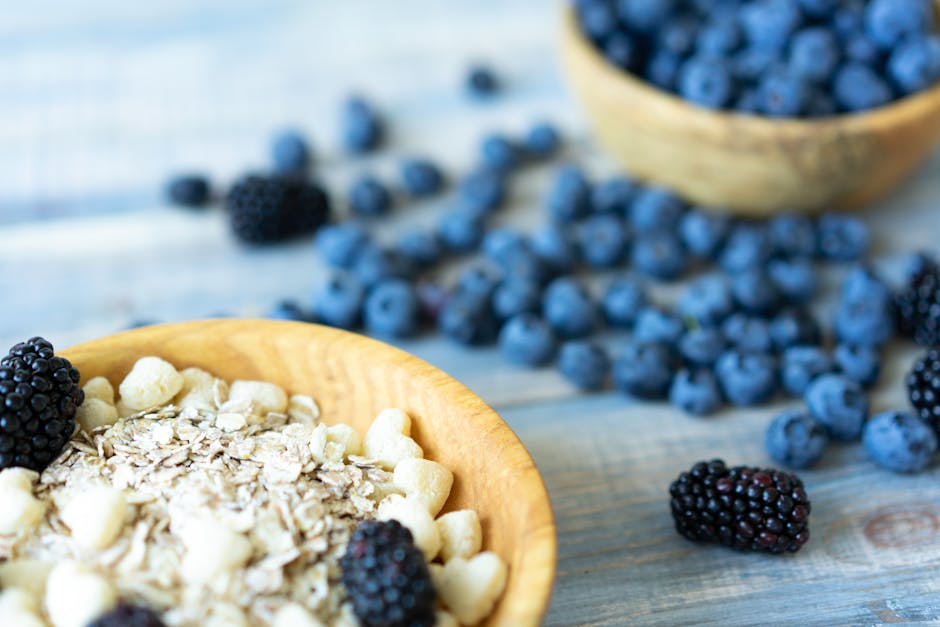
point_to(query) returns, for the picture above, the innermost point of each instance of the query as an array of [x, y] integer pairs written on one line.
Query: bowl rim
[[540, 538], [907, 108]]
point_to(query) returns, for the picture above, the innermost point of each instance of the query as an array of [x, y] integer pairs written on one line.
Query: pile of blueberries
[[776, 58]]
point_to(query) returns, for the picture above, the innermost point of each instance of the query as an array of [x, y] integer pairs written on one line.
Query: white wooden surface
[[100, 100]]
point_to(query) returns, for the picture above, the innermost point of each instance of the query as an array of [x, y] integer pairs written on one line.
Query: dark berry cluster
[[745, 508], [386, 577], [39, 394], [268, 209], [923, 387], [126, 614], [918, 303], [776, 58]]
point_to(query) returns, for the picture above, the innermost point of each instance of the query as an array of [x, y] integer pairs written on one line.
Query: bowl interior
[[352, 378]]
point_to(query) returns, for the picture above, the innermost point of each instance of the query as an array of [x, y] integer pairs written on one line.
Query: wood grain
[[353, 378], [748, 164]]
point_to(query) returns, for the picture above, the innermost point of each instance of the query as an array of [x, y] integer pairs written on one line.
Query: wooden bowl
[[748, 164], [352, 378]]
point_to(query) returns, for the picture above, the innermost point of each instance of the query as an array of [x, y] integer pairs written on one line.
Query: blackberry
[[923, 387], [269, 209], [386, 577], [918, 304], [745, 508], [39, 394], [128, 615]]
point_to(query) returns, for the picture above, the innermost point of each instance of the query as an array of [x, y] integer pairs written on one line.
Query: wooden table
[[101, 100]]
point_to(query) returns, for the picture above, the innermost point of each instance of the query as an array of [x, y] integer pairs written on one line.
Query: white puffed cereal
[[94, 413], [388, 449], [95, 517], [470, 588], [425, 481], [19, 609], [413, 515], [444, 619], [347, 436], [461, 534], [27, 575], [198, 390], [123, 409], [392, 420], [19, 509], [302, 408], [211, 549], [152, 381], [226, 615], [100, 388], [295, 615], [318, 438], [266, 397], [75, 596], [230, 421]]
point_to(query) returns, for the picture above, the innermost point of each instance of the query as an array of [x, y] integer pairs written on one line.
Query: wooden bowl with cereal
[[255, 472]]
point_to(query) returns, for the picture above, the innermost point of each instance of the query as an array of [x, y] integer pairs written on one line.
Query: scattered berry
[[861, 364], [923, 387], [857, 87], [368, 196], [746, 508], [290, 154], [460, 230], [655, 209], [796, 439], [338, 302], [584, 364], [499, 153], [374, 264], [800, 365], [569, 309], [702, 346], [623, 299], [266, 210], [362, 128], [659, 255], [516, 296], [841, 237], [792, 235], [340, 244], [795, 326], [569, 196], [707, 300], [753, 291], [481, 81], [526, 339], [747, 333], [614, 196], [746, 378], [656, 325], [918, 303], [603, 240], [420, 248], [542, 140], [421, 178], [188, 190], [899, 441], [556, 247], [748, 247], [695, 392], [483, 191], [467, 319], [125, 614], [703, 232], [643, 371], [839, 403], [391, 309], [289, 310], [915, 64], [795, 279]]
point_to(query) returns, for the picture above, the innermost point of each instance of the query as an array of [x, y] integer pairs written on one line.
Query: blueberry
[[746, 378], [839, 403], [288, 310], [703, 231], [863, 322], [391, 309], [598, 20], [481, 81], [482, 191], [899, 441], [374, 264], [645, 16], [419, 248], [568, 308], [584, 364], [814, 54], [802, 364], [290, 153], [556, 246], [659, 255], [467, 319], [362, 128], [819, 9], [753, 291], [861, 364], [369, 197], [792, 235], [432, 296], [613, 196], [841, 237], [421, 177], [770, 23], [719, 37], [569, 196], [603, 240], [516, 296], [848, 19], [643, 371], [620, 50], [338, 302], [747, 246], [188, 190], [527, 340], [655, 209], [705, 81], [888, 22], [460, 230], [751, 63], [747, 333], [542, 140], [861, 282], [707, 300], [857, 87], [340, 244], [499, 244], [659, 326], [623, 299], [747, 103], [662, 69], [862, 49], [499, 153], [695, 392], [677, 37], [478, 280], [794, 326], [783, 94], [524, 263], [796, 439], [915, 64], [702, 346]]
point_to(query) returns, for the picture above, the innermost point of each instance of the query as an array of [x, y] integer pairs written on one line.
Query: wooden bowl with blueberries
[[763, 105]]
